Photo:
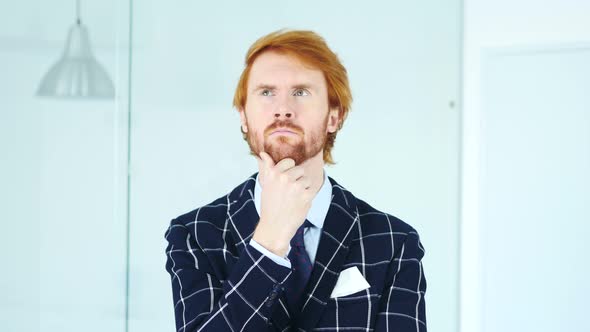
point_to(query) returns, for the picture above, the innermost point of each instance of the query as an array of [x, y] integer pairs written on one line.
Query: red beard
[[291, 146]]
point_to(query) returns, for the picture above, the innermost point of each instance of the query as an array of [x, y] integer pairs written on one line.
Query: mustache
[[283, 124]]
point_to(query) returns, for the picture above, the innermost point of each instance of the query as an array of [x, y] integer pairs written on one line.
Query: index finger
[[266, 160], [285, 164]]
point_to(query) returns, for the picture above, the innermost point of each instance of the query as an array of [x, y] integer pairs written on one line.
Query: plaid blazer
[[221, 283]]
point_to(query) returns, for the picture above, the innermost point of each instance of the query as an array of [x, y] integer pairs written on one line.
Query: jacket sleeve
[[402, 306], [203, 302]]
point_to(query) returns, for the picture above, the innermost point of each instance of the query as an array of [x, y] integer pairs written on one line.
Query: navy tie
[[301, 266]]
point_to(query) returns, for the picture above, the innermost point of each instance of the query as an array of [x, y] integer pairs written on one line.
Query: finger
[[295, 173], [285, 164], [266, 160], [306, 183]]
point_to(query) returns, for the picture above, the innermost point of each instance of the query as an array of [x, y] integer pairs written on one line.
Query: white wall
[[502, 33], [63, 173], [398, 149]]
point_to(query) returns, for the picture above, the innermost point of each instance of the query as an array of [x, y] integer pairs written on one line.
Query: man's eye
[[301, 92], [266, 93]]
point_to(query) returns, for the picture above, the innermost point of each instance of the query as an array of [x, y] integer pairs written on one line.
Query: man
[[290, 249]]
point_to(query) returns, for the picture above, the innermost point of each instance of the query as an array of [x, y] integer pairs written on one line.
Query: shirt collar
[[319, 205]]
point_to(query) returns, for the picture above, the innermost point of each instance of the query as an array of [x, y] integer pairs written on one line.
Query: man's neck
[[314, 169]]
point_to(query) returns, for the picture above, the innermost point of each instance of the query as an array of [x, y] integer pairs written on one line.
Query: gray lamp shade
[[77, 74]]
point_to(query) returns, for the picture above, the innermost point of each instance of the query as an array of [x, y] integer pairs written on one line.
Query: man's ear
[[243, 121], [333, 119]]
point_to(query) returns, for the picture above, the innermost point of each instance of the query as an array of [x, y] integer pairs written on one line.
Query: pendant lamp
[[77, 74]]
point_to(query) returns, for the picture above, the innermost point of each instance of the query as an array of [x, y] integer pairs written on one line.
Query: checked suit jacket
[[221, 283]]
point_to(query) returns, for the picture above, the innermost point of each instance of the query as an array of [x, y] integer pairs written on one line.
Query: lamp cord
[[78, 20]]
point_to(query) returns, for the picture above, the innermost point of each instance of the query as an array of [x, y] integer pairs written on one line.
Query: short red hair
[[311, 49]]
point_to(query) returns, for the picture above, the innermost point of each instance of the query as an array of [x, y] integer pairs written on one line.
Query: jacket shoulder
[[211, 212], [372, 218], [217, 209]]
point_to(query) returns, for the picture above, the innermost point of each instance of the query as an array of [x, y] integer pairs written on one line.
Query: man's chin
[[281, 153], [278, 154]]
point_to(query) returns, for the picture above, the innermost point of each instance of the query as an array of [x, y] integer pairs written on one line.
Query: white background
[[65, 198], [524, 216], [432, 121], [398, 149]]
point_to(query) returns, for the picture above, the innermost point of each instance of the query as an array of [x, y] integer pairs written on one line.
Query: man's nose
[[278, 115], [284, 108]]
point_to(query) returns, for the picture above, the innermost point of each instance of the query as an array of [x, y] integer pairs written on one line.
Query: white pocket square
[[350, 281]]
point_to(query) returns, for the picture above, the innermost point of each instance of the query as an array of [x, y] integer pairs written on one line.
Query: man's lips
[[283, 131]]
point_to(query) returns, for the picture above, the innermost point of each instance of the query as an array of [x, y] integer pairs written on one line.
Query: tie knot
[[297, 240]]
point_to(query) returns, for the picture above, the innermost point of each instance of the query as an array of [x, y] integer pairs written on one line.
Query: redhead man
[[290, 249]]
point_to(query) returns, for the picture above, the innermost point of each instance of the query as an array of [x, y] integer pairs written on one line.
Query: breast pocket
[[351, 310], [359, 296]]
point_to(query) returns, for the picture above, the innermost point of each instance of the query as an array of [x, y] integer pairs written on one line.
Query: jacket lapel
[[340, 227]]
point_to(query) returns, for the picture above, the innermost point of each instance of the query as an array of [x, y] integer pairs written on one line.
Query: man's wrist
[[271, 241], [284, 261]]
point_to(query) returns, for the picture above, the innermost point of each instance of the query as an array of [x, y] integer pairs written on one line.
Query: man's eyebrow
[[273, 87], [303, 86], [264, 86]]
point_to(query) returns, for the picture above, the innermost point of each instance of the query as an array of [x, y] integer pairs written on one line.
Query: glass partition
[[64, 165]]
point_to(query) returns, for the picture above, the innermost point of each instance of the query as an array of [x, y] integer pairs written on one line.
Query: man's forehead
[[282, 70], [273, 57]]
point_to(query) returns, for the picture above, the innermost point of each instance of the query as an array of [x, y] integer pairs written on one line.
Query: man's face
[[284, 94]]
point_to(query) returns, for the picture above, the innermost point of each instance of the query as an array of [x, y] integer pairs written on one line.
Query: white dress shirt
[[316, 215]]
